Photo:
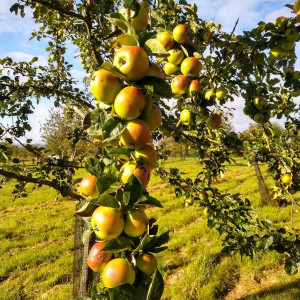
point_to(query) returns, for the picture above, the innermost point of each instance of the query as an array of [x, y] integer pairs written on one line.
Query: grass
[[36, 245]]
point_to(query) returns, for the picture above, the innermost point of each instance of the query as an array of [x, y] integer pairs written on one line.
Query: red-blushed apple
[[97, 259], [87, 187], [129, 103], [279, 21], [179, 84], [142, 173], [155, 71], [181, 33], [195, 85], [105, 86], [166, 39], [136, 134], [118, 271], [132, 61], [107, 222], [214, 121], [191, 67]]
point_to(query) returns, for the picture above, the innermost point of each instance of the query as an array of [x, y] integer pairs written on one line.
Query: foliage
[[252, 66]]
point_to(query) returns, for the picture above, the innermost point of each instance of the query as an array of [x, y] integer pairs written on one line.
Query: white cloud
[[11, 23]]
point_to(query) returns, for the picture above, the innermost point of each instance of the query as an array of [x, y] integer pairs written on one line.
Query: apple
[[152, 117], [142, 173], [117, 272], [203, 195], [189, 201], [176, 56], [296, 93], [136, 134], [97, 259], [298, 17], [286, 178], [155, 71], [260, 103], [146, 263], [105, 86], [185, 117], [180, 84], [221, 93], [259, 118], [292, 34], [214, 121], [276, 53], [191, 67], [129, 103], [138, 22], [209, 94], [136, 222], [170, 69], [147, 155], [287, 46], [107, 222], [181, 33], [87, 187], [195, 85], [166, 39], [132, 61], [279, 21]]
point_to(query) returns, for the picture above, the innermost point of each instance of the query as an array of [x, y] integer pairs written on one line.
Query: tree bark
[[262, 187]]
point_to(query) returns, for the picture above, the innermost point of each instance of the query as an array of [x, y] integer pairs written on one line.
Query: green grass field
[[36, 244]]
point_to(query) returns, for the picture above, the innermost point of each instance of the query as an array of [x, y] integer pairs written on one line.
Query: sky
[[15, 33]]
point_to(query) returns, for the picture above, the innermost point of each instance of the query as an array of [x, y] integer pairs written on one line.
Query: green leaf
[[122, 292], [121, 151], [94, 166], [156, 287], [107, 200], [127, 40], [266, 242], [14, 8], [132, 5], [150, 201], [109, 67], [162, 239], [144, 242], [156, 85], [123, 25], [133, 190], [88, 230], [87, 209], [112, 128], [107, 183], [119, 244], [290, 267], [154, 47]]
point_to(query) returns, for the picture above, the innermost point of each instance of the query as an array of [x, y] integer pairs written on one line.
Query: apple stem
[[178, 124]]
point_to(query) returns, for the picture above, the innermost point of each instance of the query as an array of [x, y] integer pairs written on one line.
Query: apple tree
[[154, 70]]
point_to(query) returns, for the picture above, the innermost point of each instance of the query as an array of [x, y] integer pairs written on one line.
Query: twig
[[233, 30]]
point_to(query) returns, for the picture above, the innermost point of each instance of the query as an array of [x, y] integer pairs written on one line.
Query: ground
[[37, 242]]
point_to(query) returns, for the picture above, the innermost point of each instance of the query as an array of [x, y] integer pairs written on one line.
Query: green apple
[[221, 92], [209, 94], [292, 34], [259, 118], [287, 46], [185, 117], [176, 56], [276, 53], [260, 103], [170, 69]]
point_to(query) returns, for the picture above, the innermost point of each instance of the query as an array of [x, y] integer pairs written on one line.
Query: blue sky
[[15, 34]]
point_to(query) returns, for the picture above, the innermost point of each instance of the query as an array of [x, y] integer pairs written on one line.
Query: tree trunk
[[83, 276], [263, 190]]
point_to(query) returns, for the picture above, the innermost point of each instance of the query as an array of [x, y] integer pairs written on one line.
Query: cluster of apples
[[189, 67], [287, 43], [142, 116]]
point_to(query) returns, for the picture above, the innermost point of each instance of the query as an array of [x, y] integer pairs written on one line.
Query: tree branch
[[60, 9], [63, 190]]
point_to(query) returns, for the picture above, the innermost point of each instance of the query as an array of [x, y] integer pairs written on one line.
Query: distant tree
[[61, 133]]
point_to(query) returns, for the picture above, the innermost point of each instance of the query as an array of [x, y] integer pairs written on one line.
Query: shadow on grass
[[276, 291]]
